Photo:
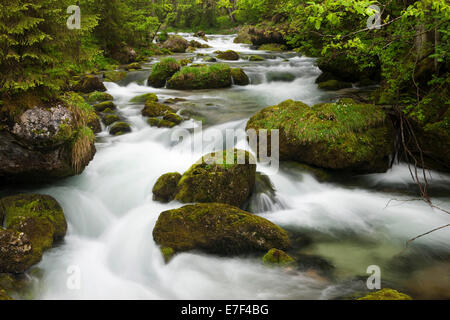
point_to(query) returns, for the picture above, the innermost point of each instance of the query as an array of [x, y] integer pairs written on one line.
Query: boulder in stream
[[196, 77], [33, 222], [227, 55], [342, 136], [176, 44], [240, 78], [213, 179], [218, 229], [162, 71], [89, 83]]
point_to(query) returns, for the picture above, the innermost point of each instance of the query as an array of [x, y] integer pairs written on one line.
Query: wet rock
[[272, 47], [155, 109], [102, 106], [227, 55], [197, 77], [342, 136], [201, 34], [124, 54], [165, 187], [16, 254], [162, 71], [99, 97], [160, 123], [109, 119], [119, 128], [89, 84], [143, 98], [212, 179], [218, 229], [243, 36], [256, 58], [267, 34], [209, 59], [133, 66], [176, 44], [240, 78], [344, 69]]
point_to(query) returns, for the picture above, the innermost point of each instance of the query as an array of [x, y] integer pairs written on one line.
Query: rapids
[[339, 228]]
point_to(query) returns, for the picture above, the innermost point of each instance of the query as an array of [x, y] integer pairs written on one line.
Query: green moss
[[218, 229], [172, 117], [119, 128], [256, 58], [201, 77], [386, 294], [4, 296], [239, 77], [167, 253], [343, 135], [154, 109], [162, 71], [185, 62], [133, 66], [109, 119], [277, 257], [99, 97], [213, 179], [272, 47], [100, 107], [34, 206], [166, 186], [227, 55], [334, 85], [160, 123], [143, 98], [114, 76]]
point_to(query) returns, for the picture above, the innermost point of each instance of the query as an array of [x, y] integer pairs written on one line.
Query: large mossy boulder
[[33, 222], [162, 71], [119, 128], [214, 178], [227, 55], [342, 136], [99, 97], [166, 187], [243, 36], [386, 294], [48, 142], [155, 109], [240, 78], [88, 84], [201, 77], [176, 44], [114, 76], [143, 98], [218, 229]]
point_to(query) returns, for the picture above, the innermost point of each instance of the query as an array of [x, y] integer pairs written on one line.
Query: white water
[[111, 214]]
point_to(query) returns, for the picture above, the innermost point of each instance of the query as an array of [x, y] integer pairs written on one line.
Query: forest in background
[[408, 55]]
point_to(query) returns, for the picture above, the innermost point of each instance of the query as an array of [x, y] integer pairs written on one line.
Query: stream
[[338, 228]]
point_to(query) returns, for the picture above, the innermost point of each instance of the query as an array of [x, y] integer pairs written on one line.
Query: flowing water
[[338, 228]]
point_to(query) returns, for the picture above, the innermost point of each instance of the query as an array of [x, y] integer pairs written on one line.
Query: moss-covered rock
[[143, 98], [279, 76], [89, 83], [99, 97], [272, 47], [166, 186], [185, 62], [209, 59], [172, 117], [240, 78], [109, 119], [114, 76], [102, 106], [214, 178], [276, 257], [243, 36], [155, 109], [256, 58], [48, 142], [343, 136], [37, 206], [201, 77], [133, 66], [119, 128], [218, 229], [162, 71], [386, 294], [334, 85], [16, 252], [176, 44], [160, 123], [344, 69], [228, 55]]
